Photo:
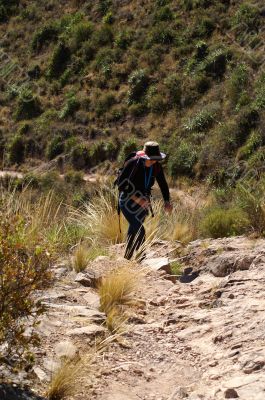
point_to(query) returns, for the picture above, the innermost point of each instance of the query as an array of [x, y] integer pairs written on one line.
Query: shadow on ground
[[11, 392]]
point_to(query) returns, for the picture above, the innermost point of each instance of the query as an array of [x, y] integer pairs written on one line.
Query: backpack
[[134, 155]]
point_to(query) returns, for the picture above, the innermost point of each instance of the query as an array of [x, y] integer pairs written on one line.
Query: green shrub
[[156, 102], [221, 222], [163, 14], [160, 34], [24, 269], [250, 197], [45, 35], [182, 159], [55, 147], [204, 28], [75, 178], [6, 8], [201, 121], [60, 58], [17, 150], [70, 107], [138, 83], [237, 83], [215, 64], [173, 85], [254, 141], [138, 110], [28, 106], [80, 157], [104, 6], [259, 102], [103, 36], [124, 39], [128, 147], [246, 18], [81, 33], [104, 103], [108, 18]]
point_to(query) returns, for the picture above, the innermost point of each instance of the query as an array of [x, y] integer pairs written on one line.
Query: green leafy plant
[[24, 269], [221, 222]]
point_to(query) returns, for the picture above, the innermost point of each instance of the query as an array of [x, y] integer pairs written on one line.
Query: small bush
[[237, 83], [222, 223], [59, 61], [81, 33], [160, 34], [182, 160], [201, 121], [128, 147], [103, 36], [17, 150], [45, 35], [163, 14], [138, 83], [104, 6], [124, 39], [156, 102], [70, 107], [173, 85], [104, 103], [28, 106], [80, 157], [204, 28], [246, 18], [55, 147], [24, 269], [138, 110], [254, 141]]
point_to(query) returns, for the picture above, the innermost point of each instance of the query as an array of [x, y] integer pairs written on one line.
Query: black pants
[[135, 215]]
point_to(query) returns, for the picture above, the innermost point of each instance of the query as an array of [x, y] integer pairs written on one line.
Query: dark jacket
[[134, 176]]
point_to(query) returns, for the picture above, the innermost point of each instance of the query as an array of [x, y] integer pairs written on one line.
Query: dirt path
[[198, 340]]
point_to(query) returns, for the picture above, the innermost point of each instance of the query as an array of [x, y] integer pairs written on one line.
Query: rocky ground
[[201, 337]]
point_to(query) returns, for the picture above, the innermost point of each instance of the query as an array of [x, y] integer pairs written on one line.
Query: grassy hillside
[[189, 73]]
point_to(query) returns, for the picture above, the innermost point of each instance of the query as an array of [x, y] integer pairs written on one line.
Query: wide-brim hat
[[151, 151]]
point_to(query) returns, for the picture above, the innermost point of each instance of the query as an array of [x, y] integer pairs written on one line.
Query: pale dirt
[[188, 340]]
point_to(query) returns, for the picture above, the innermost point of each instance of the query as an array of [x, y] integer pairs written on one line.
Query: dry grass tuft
[[100, 219], [80, 258], [117, 290], [63, 381]]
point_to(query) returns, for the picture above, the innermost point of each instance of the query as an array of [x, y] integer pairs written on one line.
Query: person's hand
[[168, 207]]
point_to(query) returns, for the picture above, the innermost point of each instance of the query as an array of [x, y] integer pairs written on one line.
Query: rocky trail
[[200, 337]]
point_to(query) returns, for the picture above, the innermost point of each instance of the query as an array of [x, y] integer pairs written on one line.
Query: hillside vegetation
[[93, 79]]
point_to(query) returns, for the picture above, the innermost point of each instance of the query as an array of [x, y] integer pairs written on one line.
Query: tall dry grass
[[100, 218], [118, 290]]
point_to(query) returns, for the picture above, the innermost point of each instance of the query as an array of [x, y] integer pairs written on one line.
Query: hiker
[[135, 182]]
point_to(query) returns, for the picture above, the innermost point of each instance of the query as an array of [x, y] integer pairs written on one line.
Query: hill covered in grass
[[94, 79]]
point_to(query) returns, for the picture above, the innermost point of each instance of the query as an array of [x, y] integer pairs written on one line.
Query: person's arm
[[161, 180]]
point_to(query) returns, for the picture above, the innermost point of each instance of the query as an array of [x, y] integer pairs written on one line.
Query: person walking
[[135, 183]]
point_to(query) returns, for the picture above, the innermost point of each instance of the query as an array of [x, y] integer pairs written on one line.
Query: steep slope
[[189, 73]]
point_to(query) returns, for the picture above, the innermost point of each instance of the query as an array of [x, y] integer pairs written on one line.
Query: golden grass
[[118, 290], [63, 381], [119, 286], [68, 378], [80, 258], [100, 218]]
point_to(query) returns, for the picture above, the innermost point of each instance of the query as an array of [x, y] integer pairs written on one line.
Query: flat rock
[[41, 375], [89, 331], [83, 279], [65, 349], [92, 299], [158, 264]]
